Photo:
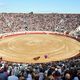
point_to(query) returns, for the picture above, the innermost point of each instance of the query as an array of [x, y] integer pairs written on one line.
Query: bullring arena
[[37, 47]]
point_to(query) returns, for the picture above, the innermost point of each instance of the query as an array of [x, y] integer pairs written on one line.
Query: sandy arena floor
[[45, 47]]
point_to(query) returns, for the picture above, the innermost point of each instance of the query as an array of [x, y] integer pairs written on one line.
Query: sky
[[40, 6]]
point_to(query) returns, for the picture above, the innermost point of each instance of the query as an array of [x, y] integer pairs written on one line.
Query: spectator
[[13, 77]]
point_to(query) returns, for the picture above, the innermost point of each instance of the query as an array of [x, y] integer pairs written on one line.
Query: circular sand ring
[[37, 47]]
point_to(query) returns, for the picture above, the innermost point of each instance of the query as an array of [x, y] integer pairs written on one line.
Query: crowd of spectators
[[60, 70], [14, 22]]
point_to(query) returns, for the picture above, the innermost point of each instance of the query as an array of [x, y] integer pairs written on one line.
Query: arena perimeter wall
[[35, 32]]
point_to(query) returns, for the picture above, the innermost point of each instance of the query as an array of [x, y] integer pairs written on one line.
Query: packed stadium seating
[[61, 70], [13, 22]]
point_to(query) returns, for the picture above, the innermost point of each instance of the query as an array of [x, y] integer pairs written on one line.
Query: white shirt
[[13, 77], [29, 77]]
